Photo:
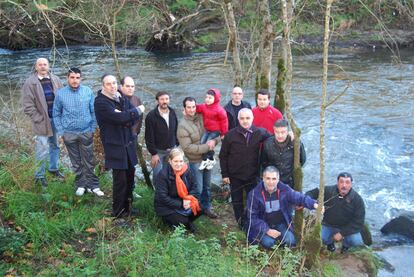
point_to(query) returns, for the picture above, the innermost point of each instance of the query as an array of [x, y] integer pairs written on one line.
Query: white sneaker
[[211, 164], [203, 164], [98, 192], [80, 191]]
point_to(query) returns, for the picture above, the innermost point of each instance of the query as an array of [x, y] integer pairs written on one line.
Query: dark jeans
[[175, 219], [80, 150], [206, 137], [237, 188], [122, 187]]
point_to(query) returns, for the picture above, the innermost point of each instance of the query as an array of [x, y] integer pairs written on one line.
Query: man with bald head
[[116, 116], [234, 106], [128, 90], [38, 95], [239, 160]]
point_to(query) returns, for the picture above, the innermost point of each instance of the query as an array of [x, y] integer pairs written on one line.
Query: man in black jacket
[[160, 131], [234, 106], [116, 116], [344, 214], [278, 151], [239, 160]]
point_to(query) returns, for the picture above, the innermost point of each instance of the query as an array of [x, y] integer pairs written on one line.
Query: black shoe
[[344, 250], [57, 174], [210, 213], [191, 228], [331, 247], [41, 181]]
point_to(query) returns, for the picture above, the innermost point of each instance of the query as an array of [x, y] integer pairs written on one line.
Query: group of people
[[256, 155]]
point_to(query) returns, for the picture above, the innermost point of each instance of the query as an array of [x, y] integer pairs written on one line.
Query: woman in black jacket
[[176, 196]]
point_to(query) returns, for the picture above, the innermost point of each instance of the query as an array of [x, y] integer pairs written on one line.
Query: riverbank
[[53, 232]]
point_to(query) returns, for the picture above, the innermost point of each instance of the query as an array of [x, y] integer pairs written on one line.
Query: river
[[369, 130]]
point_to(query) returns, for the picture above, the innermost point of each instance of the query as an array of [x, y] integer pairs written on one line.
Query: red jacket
[[266, 118], [214, 116]]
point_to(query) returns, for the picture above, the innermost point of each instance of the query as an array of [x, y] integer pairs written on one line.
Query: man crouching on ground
[[269, 210]]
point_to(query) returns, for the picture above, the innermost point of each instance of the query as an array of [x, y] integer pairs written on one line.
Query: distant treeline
[[25, 24]]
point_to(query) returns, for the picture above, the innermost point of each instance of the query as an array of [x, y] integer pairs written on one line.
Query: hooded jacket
[[214, 116], [256, 226]]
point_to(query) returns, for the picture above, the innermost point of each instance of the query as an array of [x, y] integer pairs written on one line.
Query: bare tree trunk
[[285, 88], [264, 68], [233, 41], [314, 241]]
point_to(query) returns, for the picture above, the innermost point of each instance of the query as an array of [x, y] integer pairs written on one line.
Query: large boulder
[[402, 225]]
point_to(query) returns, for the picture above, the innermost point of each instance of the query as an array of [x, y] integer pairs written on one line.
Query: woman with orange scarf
[[176, 195]]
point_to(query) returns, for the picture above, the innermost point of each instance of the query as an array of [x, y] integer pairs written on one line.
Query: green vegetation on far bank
[[75, 22]]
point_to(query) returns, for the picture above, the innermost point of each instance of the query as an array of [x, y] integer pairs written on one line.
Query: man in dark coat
[[233, 107], [345, 214], [269, 210], [239, 160], [116, 116], [278, 151]]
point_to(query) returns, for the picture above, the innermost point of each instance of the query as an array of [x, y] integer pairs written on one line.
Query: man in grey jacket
[[38, 94], [189, 133]]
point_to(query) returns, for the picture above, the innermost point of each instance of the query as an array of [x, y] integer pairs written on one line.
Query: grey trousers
[[80, 149]]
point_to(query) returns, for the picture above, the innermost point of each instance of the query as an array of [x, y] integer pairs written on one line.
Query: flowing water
[[369, 130]]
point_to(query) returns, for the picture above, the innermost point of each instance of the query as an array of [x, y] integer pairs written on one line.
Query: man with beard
[[160, 131], [74, 118], [344, 215]]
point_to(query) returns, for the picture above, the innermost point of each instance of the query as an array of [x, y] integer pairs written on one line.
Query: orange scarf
[[183, 192]]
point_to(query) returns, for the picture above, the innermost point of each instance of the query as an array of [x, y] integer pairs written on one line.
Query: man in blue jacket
[[74, 119], [269, 210]]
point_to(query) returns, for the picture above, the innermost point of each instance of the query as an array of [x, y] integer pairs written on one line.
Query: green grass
[[53, 232]]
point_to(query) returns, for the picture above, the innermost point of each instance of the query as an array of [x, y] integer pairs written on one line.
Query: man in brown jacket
[[128, 89], [38, 94], [189, 132]]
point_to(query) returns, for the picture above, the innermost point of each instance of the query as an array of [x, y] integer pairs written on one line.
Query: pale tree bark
[[313, 242], [233, 41], [286, 65], [264, 67]]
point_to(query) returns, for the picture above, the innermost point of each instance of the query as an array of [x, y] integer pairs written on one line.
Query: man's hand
[[186, 204], [211, 144], [337, 237], [316, 206], [291, 135], [273, 233], [226, 181], [155, 159], [141, 108]]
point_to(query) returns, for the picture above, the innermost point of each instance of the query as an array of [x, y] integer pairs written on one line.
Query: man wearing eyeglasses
[[344, 214]]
